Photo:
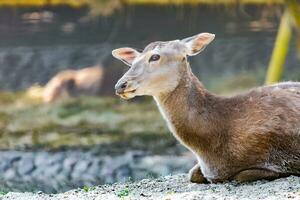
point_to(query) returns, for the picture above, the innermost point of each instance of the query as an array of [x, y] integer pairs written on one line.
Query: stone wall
[[64, 170]]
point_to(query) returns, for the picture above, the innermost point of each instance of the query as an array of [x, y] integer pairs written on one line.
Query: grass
[[88, 188], [82, 122], [123, 193], [2, 193]]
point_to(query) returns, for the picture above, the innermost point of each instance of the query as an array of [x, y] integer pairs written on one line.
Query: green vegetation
[[82, 122], [2, 193], [88, 188], [123, 193]]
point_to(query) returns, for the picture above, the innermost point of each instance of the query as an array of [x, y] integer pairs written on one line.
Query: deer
[[73, 83], [246, 137]]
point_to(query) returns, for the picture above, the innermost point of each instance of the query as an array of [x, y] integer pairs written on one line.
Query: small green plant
[[3, 193], [123, 193], [213, 189], [87, 188]]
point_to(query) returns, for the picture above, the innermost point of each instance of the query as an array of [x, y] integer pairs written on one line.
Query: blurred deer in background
[[73, 83], [251, 136]]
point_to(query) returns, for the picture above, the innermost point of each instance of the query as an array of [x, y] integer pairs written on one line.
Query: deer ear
[[197, 43], [125, 54]]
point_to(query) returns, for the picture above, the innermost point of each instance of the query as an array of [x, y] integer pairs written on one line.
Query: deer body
[[73, 83], [255, 135], [229, 135]]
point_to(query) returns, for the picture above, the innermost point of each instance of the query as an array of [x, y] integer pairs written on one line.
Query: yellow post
[[294, 9], [280, 50]]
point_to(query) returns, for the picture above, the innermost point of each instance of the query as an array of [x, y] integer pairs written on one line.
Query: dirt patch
[[177, 187]]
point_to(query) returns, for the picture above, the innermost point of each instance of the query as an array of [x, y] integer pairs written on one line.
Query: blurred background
[[62, 127]]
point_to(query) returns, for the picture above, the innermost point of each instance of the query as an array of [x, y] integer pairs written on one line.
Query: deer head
[[159, 68]]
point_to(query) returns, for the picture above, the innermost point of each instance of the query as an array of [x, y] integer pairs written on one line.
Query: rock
[[12, 156], [54, 170], [80, 168], [95, 167], [26, 165], [69, 163], [123, 173], [41, 159], [56, 158], [59, 171], [10, 174], [4, 165]]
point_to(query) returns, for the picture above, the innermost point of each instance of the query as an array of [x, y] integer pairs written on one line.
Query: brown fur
[[73, 83], [257, 130], [251, 136]]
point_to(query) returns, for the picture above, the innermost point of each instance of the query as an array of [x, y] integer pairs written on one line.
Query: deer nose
[[120, 87]]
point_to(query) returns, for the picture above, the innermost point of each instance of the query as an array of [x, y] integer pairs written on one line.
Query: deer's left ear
[[125, 54], [197, 43]]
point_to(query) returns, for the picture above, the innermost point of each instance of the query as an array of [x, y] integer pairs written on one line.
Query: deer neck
[[188, 112]]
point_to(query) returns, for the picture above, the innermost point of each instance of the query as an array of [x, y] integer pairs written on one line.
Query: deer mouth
[[130, 91], [128, 94]]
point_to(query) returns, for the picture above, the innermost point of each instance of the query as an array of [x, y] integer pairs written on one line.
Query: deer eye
[[154, 57]]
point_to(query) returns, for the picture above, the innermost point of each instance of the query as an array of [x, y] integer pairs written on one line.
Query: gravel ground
[[176, 187]]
